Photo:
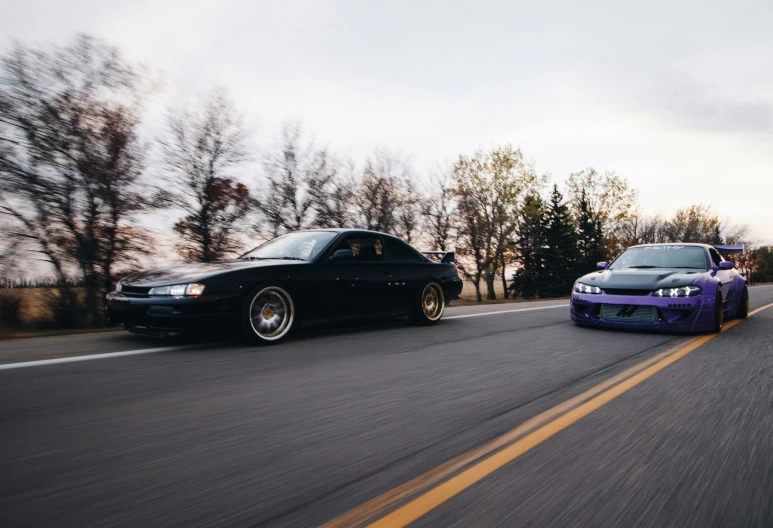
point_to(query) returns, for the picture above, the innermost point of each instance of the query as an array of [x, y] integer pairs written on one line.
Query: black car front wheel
[[429, 306], [268, 314]]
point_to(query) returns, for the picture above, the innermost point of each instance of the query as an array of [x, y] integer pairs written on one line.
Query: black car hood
[[641, 279], [183, 273]]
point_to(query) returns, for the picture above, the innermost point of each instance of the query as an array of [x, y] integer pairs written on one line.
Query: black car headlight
[[682, 291], [118, 287], [178, 290], [579, 287]]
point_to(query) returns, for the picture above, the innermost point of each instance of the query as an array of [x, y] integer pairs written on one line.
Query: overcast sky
[[676, 96]]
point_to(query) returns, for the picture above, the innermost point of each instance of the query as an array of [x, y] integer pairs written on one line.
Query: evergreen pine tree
[[529, 279], [716, 236], [590, 239], [561, 253]]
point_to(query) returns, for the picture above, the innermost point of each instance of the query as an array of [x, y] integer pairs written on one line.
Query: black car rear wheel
[[268, 314], [719, 313], [430, 305]]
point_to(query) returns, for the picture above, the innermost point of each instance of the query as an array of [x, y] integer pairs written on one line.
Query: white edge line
[[506, 311], [760, 287], [73, 359], [108, 355], [90, 357]]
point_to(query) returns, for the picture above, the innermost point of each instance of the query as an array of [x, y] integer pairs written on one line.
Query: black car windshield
[[649, 257], [293, 246]]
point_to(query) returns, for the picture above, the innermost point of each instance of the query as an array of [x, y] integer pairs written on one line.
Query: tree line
[[77, 173]]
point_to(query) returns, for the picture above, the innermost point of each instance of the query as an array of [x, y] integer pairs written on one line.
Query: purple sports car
[[683, 287]]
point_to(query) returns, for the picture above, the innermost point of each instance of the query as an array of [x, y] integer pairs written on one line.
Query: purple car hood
[[642, 279], [183, 273]]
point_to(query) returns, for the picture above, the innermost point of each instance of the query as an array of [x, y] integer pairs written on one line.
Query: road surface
[[515, 418]]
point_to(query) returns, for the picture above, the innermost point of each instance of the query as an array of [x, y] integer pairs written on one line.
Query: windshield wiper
[[643, 267], [290, 258]]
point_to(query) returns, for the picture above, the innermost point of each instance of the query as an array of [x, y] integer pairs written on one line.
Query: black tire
[[719, 313], [743, 308], [429, 305], [268, 314]]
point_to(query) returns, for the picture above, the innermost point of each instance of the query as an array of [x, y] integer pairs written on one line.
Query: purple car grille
[[621, 291], [627, 313]]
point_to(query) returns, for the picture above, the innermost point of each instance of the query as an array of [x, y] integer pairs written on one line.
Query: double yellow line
[[463, 471]]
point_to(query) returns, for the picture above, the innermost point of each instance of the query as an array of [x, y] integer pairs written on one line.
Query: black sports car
[[306, 276]]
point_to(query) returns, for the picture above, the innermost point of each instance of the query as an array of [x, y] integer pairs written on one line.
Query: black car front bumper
[[164, 316]]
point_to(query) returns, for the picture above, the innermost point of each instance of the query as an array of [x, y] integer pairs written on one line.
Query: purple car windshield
[[674, 257]]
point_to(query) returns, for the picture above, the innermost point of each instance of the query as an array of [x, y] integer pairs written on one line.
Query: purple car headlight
[[579, 287], [682, 291]]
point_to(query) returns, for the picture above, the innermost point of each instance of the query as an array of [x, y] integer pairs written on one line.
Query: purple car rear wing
[[729, 248]]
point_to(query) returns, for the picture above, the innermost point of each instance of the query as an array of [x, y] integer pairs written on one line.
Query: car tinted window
[[675, 256], [303, 245], [364, 248], [715, 256], [400, 251]]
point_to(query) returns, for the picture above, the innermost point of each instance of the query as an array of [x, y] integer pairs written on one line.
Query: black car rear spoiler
[[729, 248], [447, 256]]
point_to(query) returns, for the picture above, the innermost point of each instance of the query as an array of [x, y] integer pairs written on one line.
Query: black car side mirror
[[343, 254], [601, 265]]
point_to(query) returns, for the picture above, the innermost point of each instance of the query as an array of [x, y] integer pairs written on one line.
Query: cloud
[[707, 108]]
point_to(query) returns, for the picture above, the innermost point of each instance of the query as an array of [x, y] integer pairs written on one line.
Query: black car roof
[[347, 230]]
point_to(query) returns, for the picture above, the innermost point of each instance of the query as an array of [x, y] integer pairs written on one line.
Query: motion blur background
[[555, 134]]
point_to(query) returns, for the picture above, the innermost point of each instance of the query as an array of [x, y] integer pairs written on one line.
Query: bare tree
[[71, 162], [332, 191], [305, 187], [385, 199], [438, 210], [641, 229], [288, 203], [408, 214], [202, 148], [736, 234], [697, 223]]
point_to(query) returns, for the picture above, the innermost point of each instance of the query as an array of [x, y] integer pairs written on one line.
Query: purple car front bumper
[[644, 312]]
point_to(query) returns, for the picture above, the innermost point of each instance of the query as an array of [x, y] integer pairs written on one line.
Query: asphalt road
[[302, 433]]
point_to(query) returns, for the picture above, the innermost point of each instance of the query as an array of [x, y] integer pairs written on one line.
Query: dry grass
[[468, 291], [35, 307]]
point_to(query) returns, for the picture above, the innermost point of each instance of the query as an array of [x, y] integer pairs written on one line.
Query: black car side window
[[365, 249], [715, 257], [399, 251]]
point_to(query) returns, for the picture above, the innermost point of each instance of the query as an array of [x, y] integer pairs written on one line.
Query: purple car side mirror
[[726, 265], [601, 265]]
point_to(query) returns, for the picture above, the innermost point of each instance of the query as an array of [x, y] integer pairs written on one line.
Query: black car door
[[407, 271], [358, 286]]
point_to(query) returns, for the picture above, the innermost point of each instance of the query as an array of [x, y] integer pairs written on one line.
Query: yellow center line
[[577, 407], [386, 500]]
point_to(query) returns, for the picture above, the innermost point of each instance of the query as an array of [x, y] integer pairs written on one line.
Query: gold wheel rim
[[432, 302]]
